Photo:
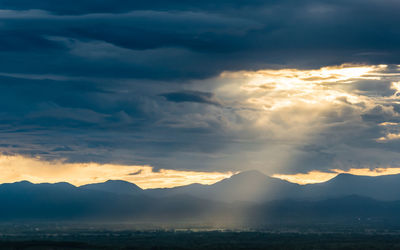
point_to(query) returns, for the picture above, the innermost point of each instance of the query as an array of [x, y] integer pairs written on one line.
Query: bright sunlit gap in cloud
[[285, 87], [298, 108]]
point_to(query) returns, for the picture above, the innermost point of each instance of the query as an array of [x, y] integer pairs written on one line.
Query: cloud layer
[[202, 85]]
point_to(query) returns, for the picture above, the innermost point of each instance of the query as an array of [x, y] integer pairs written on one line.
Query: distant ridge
[[254, 186], [248, 197], [114, 186], [27, 202], [27, 184], [250, 186], [384, 187]]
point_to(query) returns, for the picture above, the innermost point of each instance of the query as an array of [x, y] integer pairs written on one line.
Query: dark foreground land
[[36, 238]]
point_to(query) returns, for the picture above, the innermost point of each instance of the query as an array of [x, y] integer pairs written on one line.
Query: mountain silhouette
[[386, 187], [24, 201], [114, 186], [251, 186], [249, 198]]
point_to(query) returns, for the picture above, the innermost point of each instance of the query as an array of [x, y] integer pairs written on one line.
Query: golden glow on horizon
[[319, 177], [18, 168], [309, 178]]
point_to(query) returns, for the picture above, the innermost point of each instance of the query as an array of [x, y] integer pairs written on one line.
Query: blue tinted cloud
[[126, 80]]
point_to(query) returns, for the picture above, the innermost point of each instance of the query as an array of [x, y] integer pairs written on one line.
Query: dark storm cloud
[[192, 96], [196, 39], [94, 6], [95, 121], [105, 80]]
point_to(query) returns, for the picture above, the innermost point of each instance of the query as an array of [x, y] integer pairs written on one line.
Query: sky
[[198, 90]]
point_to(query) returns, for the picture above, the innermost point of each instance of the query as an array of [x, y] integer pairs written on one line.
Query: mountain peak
[[22, 183], [249, 174], [120, 182], [346, 177], [245, 178], [58, 184], [114, 186], [19, 184]]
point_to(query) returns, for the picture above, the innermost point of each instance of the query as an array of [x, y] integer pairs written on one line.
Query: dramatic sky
[[171, 92]]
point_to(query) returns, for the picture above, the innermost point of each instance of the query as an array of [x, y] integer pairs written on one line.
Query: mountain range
[[248, 197], [253, 186]]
